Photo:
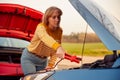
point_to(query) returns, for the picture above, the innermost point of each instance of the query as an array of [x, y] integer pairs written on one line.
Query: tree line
[[81, 37]]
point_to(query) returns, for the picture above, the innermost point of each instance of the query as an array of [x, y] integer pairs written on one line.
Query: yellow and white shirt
[[45, 42]]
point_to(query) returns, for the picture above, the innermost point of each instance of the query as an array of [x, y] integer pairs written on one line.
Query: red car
[[17, 26]]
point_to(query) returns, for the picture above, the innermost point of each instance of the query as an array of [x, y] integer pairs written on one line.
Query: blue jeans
[[31, 63]]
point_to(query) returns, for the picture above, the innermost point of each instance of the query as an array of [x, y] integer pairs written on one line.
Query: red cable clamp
[[72, 58]]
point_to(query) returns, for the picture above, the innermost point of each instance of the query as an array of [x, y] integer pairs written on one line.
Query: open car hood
[[105, 25], [18, 21]]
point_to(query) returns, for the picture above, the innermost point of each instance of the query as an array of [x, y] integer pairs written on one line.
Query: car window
[[13, 42]]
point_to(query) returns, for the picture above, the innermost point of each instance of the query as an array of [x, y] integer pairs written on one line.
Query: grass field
[[90, 49]]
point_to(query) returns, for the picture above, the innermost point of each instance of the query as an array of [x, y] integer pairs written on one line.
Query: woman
[[45, 43]]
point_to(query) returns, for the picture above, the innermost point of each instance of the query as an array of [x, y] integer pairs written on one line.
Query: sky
[[71, 21]]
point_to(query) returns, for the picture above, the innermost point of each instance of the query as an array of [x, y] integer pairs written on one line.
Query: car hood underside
[[18, 21]]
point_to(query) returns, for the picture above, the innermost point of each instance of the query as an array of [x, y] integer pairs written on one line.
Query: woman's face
[[54, 20]]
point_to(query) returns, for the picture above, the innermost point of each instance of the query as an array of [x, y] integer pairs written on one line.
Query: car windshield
[[13, 42]]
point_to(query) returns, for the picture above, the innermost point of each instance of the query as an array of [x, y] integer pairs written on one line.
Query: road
[[65, 64]]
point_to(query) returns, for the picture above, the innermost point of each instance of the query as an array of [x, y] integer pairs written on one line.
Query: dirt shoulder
[[65, 64]]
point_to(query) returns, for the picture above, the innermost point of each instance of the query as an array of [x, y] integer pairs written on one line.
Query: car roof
[[18, 21]]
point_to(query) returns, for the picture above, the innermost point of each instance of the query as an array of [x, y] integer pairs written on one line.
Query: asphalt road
[[66, 64]]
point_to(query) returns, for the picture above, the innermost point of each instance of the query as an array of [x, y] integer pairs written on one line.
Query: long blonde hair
[[48, 13]]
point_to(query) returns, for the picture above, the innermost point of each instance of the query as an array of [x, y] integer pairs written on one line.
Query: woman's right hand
[[60, 52]]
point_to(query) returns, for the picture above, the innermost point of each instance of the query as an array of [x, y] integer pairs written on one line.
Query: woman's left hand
[[48, 68]]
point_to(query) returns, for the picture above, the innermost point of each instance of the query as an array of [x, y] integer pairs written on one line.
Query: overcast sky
[[71, 21]]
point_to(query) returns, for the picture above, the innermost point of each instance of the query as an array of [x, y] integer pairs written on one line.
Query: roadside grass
[[90, 49]]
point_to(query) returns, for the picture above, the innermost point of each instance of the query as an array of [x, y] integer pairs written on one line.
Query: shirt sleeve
[[48, 40], [52, 61]]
